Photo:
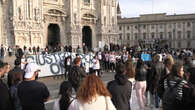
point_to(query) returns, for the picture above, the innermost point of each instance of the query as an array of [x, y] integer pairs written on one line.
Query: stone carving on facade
[[20, 13], [30, 16], [37, 14]]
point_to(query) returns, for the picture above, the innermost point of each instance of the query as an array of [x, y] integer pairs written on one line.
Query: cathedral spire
[[118, 11]]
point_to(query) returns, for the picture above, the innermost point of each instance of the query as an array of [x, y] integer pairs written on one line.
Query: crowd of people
[[168, 80]]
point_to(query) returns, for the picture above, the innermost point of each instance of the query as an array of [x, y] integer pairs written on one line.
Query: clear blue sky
[[133, 8]]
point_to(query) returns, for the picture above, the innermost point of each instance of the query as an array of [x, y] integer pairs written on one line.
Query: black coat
[[156, 74], [11, 73], [188, 100], [5, 99], [120, 89]]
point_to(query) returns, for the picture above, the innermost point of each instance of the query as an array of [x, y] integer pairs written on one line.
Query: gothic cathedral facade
[[51, 22]]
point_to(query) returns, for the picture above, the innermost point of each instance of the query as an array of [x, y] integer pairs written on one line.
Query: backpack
[[169, 97], [14, 97], [74, 77]]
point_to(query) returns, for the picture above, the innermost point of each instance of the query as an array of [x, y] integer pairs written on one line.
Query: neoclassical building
[[176, 31], [51, 22]]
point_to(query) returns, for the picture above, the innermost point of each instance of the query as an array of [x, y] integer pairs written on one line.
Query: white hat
[[31, 68]]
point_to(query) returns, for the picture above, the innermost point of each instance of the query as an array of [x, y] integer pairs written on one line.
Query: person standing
[[19, 52], [34, 50], [67, 64], [76, 74], [112, 59], [140, 77], [174, 86], [38, 50], [11, 73], [32, 94], [92, 95], [106, 60], [96, 66], [2, 51], [157, 72], [66, 99], [10, 51], [17, 79], [120, 89], [131, 77], [5, 99]]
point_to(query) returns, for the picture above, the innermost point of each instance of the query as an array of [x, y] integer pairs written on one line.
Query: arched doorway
[[53, 35], [87, 36]]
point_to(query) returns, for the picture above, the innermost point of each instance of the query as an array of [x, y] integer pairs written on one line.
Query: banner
[[53, 64], [146, 57]]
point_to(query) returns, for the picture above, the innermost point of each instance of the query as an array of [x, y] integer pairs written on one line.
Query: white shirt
[[97, 104], [112, 58], [125, 57], [68, 62], [96, 64], [107, 57], [100, 56], [22, 63]]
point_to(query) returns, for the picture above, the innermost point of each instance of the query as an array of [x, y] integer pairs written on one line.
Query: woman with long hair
[[174, 80], [140, 77], [93, 95], [66, 97], [131, 77]]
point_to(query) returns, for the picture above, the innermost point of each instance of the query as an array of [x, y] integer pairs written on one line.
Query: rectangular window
[[170, 35], [188, 34], [179, 44], [120, 28], [152, 35], [144, 26], [136, 26], [179, 25], [189, 44], [170, 25], [188, 24], [120, 36], [161, 26], [127, 27], [161, 35], [128, 36], [136, 36], [152, 26], [144, 36], [179, 34]]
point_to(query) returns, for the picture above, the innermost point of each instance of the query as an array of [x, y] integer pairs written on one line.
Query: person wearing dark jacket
[[120, 89], [67, 66], [76, 74], [17, 68], [174, 80], [140, 77], [188, 99], [168, 66], [19, 52], [157, 72], [5, 99]]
